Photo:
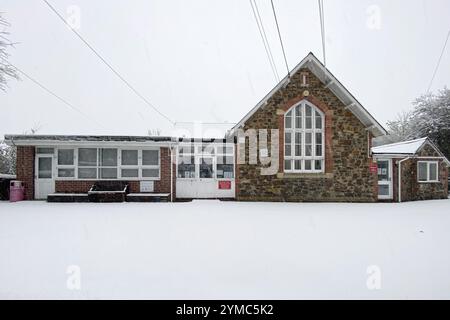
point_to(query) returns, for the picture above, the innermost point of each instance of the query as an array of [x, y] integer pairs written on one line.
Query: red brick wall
[[25, 169]]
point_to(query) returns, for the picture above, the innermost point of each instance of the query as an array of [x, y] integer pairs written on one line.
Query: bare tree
[[6, 69], [401, 128]]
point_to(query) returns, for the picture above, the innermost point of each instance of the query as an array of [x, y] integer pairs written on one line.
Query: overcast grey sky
[[203, 60]]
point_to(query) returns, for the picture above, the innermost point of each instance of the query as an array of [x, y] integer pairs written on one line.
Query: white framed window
[[205, 161], [93, 163], [66, 163], [428, 171], [150, 164], [304, 138]]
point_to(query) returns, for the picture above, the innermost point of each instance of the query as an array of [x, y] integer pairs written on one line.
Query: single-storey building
[[411, 170], [308, 139]]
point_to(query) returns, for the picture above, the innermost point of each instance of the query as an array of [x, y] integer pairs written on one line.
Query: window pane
[[287, 144], [66, 173], [298, 144], [422, 171], [150, 173], [225, 149], [186, 167], [45, 168], [44, 150], [87, 157], [108, 157], [129, 157], [225, 160], [318, 144], [186, 149], [308, 111], [383, 190], [150, 157], [433, 171], [208, 148], [130, 173], [318, 164], [298, 164], [318, 121], [287, 164], [383, 170], [307, 164], [65, 157], [87, 173], [288, 120], [308, 144], [298, 117], [225, 171], [108, 173], [206, 168]]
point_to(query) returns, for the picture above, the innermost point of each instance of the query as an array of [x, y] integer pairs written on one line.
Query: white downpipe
[[400, 178], [171, 173]]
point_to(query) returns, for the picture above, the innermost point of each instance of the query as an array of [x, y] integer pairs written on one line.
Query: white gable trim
[[319, 70]]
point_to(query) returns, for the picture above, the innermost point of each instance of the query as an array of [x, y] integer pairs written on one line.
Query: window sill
[[283, 175]]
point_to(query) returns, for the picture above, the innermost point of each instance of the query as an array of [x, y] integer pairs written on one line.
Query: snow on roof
[[405, 147]]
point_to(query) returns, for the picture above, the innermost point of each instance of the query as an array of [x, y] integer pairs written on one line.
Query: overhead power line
[[279, 36], [439, 62], [322, 30], [146, 101], [262, 32], [71, 106]]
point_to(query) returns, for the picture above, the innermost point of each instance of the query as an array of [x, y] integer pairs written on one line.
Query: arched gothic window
[[304, 138]]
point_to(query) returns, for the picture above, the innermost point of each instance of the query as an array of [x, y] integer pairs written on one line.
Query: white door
[[384, 178], [44, 183]]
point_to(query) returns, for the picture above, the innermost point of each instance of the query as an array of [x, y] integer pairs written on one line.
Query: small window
[[87, 173], [186, 167], [225, 167], [130, 173], [427, 171], [150, 157], [129, 157], [87, 157], [65, 157], [150, 173], [44, 150], [66, 173]]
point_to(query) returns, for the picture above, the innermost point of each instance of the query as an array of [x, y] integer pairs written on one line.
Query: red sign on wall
[[225, 185], [373, 168]]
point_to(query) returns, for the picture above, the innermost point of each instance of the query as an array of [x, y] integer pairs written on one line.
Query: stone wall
[[347, 176]]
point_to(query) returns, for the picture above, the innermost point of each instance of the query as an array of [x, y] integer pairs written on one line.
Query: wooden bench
[[148, 197]]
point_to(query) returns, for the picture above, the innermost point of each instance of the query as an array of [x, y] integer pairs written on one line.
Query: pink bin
[[16, 191]]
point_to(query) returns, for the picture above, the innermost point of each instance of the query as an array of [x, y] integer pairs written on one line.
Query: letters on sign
[[225, 185]]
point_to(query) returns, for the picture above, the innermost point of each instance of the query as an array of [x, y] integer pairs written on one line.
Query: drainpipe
[[171, 172], [400, 178]]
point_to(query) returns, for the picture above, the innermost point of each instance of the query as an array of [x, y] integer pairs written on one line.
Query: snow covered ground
[[211, 249]]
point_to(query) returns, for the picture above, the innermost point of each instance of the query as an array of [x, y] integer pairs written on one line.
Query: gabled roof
[[324, 75], [407, 148]]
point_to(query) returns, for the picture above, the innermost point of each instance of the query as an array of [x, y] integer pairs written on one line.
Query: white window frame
[[428, 163], [216, 150], [119, 163], [66, 166], [142, 167], [313, 130]]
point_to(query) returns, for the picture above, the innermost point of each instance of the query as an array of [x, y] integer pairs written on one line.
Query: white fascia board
[[53, 143]]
